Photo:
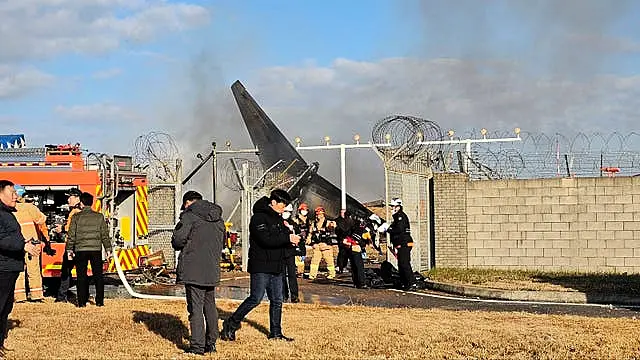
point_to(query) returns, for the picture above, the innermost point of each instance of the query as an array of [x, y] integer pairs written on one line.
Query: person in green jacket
[[88, 233]]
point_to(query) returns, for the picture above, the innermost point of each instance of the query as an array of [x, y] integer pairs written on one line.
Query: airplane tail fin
[[265, 135]]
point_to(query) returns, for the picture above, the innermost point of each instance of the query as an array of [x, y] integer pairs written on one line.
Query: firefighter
[[400, 233], [344, 227], [33, 226], [290, 278], [301, 224], [320, 235], [354, 245], [73, 199]]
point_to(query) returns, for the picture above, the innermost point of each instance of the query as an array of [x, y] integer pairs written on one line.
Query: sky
[[104, 72]]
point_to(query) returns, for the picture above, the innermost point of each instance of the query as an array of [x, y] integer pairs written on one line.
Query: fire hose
[[123, 279]]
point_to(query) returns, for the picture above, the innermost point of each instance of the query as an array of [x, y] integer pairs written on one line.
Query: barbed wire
[[156, 154], [539, 155]]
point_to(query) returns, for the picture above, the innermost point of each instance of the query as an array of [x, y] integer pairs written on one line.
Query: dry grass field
[[139, 329]]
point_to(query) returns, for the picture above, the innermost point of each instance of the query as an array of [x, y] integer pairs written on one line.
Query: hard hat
[[303, 206], [20, 190], [289, 208], [396, 202], [319, 209]]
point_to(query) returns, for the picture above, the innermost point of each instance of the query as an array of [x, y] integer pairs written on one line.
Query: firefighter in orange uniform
[[33, 226], [67, 265], [320, 235]]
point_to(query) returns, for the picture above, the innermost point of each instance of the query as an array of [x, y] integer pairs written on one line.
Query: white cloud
[[106, 74], [35, 29], [16, 81], [101, 112]]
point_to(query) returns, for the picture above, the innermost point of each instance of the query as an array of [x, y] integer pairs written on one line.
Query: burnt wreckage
[[303, 182]]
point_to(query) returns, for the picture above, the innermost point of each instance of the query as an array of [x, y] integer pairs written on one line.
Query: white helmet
[[396, 202], [375, 218]]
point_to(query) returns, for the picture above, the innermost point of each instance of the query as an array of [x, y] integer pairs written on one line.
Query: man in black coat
[[268, 240], [199, 236], [12, 249]]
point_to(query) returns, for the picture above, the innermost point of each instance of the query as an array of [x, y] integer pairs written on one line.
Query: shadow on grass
[[600, 284], [224, 315], [173, 329], [168, 326]]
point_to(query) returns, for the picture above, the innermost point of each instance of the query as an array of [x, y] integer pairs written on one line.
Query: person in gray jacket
[[199, 236], [88, 233]]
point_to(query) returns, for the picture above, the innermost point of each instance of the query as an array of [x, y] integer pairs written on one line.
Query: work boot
[[295, 299], [228, 332], [210, 349], [279, 337]]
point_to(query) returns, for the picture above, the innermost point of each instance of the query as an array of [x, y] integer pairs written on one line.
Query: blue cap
[[20, 190]]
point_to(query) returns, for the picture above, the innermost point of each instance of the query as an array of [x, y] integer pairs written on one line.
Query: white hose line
[[134, 294], [516, 302]]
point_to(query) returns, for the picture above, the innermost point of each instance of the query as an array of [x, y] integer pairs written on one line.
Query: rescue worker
[[344, 226], [88, 233], [320, 235], [268, 238], [352, 242], [75, 205], [301, 224], [400, 233], [33, 226], [13, 246], [290, 276], [199, 236]]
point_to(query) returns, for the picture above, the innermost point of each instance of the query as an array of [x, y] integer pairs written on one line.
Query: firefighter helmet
[[396, 202]]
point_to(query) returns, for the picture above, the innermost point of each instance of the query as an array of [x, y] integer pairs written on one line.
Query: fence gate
[[411, 183]]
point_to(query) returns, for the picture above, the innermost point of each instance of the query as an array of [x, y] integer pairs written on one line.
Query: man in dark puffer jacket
[[12, 249], [199, 236], [269, 238]]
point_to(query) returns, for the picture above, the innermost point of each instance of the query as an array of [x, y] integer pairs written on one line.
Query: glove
[[383, 228]]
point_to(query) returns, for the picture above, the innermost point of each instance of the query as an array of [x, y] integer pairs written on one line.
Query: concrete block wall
[[573, 224], [450, 218]]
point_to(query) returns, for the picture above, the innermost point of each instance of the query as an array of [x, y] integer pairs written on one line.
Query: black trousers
[[343, 257], [357, 268], [7, 287], [65, 277], [290, 278], [83, 258], [404, 266], [203, 315]]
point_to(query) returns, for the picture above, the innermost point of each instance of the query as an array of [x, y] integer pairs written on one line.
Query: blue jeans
[[261, 282]]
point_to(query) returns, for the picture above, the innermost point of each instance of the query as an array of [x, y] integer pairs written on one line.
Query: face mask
[[286, 215], [303, 212]]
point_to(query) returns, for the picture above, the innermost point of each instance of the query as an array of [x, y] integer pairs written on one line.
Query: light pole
[[468, 142], [343, 148]]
